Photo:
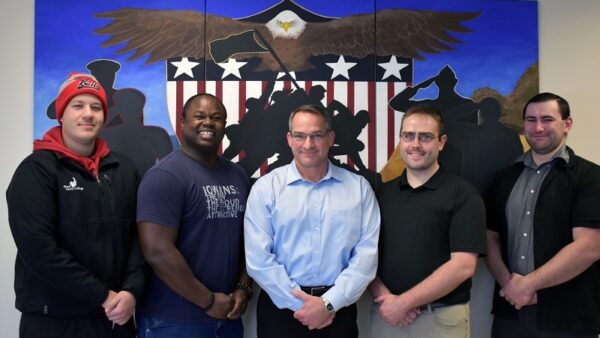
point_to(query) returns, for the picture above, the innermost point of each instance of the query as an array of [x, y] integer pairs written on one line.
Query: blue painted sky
[[502, 45]]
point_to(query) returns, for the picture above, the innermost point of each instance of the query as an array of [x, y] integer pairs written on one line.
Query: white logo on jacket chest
[[72, 186]]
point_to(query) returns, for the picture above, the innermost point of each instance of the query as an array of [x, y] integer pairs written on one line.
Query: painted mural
[[365, 61]]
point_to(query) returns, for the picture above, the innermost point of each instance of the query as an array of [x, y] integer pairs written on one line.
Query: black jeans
[[273, 322]]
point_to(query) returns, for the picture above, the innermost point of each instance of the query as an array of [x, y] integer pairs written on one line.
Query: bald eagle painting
[[364, 61], [164, 34]]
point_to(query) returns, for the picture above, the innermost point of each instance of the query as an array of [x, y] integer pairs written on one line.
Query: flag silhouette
[[245, 42]]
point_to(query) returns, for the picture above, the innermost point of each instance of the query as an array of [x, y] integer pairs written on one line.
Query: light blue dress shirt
[[300, 233]]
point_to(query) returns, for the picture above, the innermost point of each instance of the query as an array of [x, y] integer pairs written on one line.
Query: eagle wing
[[398, 32], [166, 34]]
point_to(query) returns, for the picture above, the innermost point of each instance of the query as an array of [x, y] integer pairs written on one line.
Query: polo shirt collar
[[433, 183]]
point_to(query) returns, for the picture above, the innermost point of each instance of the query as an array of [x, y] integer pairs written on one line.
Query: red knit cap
[[76, 84]]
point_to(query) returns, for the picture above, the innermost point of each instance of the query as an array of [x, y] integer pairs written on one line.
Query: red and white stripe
[[380, 136]]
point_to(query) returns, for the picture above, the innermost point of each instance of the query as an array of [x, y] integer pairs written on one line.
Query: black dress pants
[[41, 326], [273, 322]]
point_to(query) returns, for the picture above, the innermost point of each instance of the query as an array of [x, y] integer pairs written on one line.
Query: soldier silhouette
[[261, 134], [144, 145], [490, 145], [242, 135], [347, 128], [448, 98], [316, 95], [105, 71], [449, 103]]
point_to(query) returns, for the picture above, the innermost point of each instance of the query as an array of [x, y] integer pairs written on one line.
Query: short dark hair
[[189, 101], [426, 109], [563, 105], [311, 109]]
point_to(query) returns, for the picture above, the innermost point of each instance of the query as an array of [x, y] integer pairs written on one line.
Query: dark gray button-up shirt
[[520, 208]]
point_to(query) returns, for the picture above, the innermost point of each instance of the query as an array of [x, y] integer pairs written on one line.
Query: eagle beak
[[286, 25]]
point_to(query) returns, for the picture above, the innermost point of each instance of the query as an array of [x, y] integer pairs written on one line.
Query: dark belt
[[317, 291], [432, 306]]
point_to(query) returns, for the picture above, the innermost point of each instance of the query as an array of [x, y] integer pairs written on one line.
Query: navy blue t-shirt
[[207, 206]]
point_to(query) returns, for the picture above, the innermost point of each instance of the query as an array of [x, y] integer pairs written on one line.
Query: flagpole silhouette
[[244, 42], [281, 64]]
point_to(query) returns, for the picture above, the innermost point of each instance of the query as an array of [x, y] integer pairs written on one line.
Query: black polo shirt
[[421, 227]]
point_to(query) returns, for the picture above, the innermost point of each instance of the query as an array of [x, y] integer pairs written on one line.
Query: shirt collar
[[293, 175], [433, 183], [527, 158]]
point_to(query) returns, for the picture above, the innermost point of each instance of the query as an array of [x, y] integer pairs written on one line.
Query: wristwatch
[[328, 306]]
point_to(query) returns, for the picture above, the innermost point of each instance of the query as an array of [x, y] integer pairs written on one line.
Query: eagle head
[[287, 25]]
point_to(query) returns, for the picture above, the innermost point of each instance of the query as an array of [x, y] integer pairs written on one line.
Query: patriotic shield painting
[[262, 66], [365, 62]]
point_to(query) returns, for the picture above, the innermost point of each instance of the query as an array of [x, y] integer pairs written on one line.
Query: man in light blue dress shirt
[[311, 231]]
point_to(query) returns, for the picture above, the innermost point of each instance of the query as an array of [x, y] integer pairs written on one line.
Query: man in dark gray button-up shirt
[[544, 233]]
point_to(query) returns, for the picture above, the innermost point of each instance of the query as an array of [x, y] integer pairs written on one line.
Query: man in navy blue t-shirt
[[190, 214]]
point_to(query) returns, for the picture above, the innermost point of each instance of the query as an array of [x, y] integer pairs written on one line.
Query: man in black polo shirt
[[432, 231], [544, 233]]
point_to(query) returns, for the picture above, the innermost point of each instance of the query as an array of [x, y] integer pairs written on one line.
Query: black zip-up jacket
[[76, 234]]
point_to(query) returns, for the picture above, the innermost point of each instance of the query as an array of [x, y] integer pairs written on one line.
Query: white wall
[[570, 66], [16, 133], [569, 55]]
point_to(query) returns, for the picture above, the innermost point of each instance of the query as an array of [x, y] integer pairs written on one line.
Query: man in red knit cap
[[71, 206]]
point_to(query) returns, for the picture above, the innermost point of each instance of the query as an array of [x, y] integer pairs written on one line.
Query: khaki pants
[[446, 322]]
